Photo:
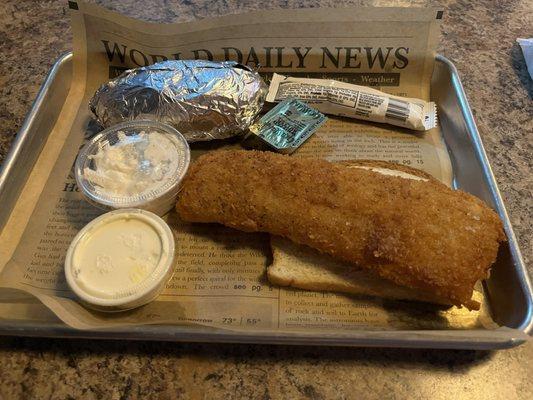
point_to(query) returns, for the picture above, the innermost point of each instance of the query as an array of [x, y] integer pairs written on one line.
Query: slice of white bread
[[305, 268]]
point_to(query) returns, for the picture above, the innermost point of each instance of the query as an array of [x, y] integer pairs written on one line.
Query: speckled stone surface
[[479, 36]]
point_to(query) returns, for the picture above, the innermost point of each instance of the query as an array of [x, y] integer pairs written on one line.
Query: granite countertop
[[479, 37]]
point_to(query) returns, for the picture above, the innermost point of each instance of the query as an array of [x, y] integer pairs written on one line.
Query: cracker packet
[[354, 101]]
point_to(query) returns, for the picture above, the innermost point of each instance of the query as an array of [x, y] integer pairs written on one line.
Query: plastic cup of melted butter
[[120, 260], [136, 164]]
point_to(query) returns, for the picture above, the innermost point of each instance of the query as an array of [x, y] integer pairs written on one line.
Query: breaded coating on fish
[[415, 233]]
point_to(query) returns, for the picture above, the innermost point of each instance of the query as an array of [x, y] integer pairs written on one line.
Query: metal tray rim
[[25, 129], [527, 324], [424, 339]]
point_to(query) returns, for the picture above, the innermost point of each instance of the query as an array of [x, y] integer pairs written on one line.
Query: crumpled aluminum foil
[[203, 100]]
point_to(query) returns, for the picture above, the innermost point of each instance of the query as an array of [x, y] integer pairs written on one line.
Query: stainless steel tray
[[509, 289]]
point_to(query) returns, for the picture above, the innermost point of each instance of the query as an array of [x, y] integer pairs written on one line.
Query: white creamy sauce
[[116, 256], [135, 165], [391, 172]]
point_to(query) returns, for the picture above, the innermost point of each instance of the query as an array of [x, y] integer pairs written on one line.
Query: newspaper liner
[[354, 101], [219, 278]]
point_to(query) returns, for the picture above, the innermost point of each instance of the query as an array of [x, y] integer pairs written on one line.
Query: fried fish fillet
[[302, 267], [415, 233]]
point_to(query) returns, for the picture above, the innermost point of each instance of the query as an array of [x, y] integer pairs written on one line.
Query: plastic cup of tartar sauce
[[136, 164], [120, 260]]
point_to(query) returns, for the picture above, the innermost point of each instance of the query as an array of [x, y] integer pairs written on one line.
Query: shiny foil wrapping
[[204, 100]]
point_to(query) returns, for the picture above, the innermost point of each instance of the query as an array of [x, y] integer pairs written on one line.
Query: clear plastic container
[[136, 164]]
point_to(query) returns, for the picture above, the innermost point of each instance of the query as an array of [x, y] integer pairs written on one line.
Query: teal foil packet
[[287, 126]]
